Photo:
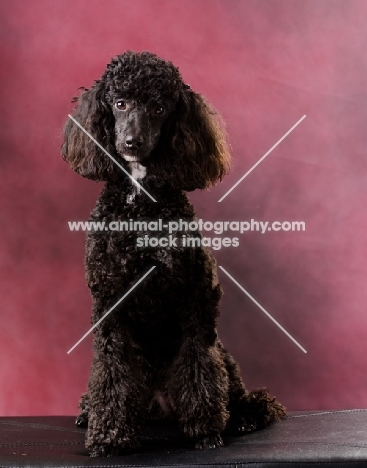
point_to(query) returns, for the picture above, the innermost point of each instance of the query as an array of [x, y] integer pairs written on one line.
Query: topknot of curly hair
[[143, 76]]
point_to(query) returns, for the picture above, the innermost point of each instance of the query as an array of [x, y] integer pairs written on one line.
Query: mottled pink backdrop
[[264, 64]]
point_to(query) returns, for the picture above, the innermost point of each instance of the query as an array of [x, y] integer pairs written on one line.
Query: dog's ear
[[94, 114], [193, 151]]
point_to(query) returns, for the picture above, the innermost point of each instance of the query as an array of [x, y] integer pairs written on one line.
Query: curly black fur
[[158, 352]]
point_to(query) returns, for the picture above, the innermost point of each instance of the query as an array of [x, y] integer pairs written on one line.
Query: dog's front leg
[[116, 396], [198, 388]]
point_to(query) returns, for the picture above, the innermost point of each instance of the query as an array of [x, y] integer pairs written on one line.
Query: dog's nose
[[133, 142]]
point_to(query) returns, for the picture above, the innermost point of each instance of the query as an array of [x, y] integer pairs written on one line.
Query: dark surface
[[330, 439]]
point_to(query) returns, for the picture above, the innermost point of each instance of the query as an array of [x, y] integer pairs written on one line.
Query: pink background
[[263, 64]]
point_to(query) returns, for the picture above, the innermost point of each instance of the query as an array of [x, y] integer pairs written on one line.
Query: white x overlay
[[263, 310], [221, 199], [112, 308], [112, 158], [261, 159]]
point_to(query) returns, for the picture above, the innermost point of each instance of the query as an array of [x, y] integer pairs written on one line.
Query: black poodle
[[158, 353]]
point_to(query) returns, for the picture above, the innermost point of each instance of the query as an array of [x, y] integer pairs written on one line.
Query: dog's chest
[[137, 172]]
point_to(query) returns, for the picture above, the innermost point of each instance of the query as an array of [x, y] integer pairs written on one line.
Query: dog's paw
[[109, 450], [264, 408], [239, 426], [209, 441], [81, 420], [110, 443], [105, 451]]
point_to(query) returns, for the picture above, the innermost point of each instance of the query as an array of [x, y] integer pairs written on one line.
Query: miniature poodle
[[158, 353]]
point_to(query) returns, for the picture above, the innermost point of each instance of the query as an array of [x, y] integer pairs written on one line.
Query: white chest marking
[[138, 172]]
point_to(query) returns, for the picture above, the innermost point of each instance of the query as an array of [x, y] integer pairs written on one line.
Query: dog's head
[[141, 110]]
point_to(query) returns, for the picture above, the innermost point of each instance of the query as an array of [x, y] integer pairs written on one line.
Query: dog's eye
[[159, 110], [121, 105]]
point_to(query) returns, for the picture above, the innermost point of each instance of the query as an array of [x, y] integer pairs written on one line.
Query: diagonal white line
[[112, 308], [263, 310], [111, 157], [261, 159]]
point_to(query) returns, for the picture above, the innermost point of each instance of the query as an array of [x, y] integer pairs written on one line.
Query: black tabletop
[[310, 439]]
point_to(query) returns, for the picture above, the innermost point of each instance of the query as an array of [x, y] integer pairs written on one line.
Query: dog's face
[[142, 110], [142, 91], [138, 125]]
